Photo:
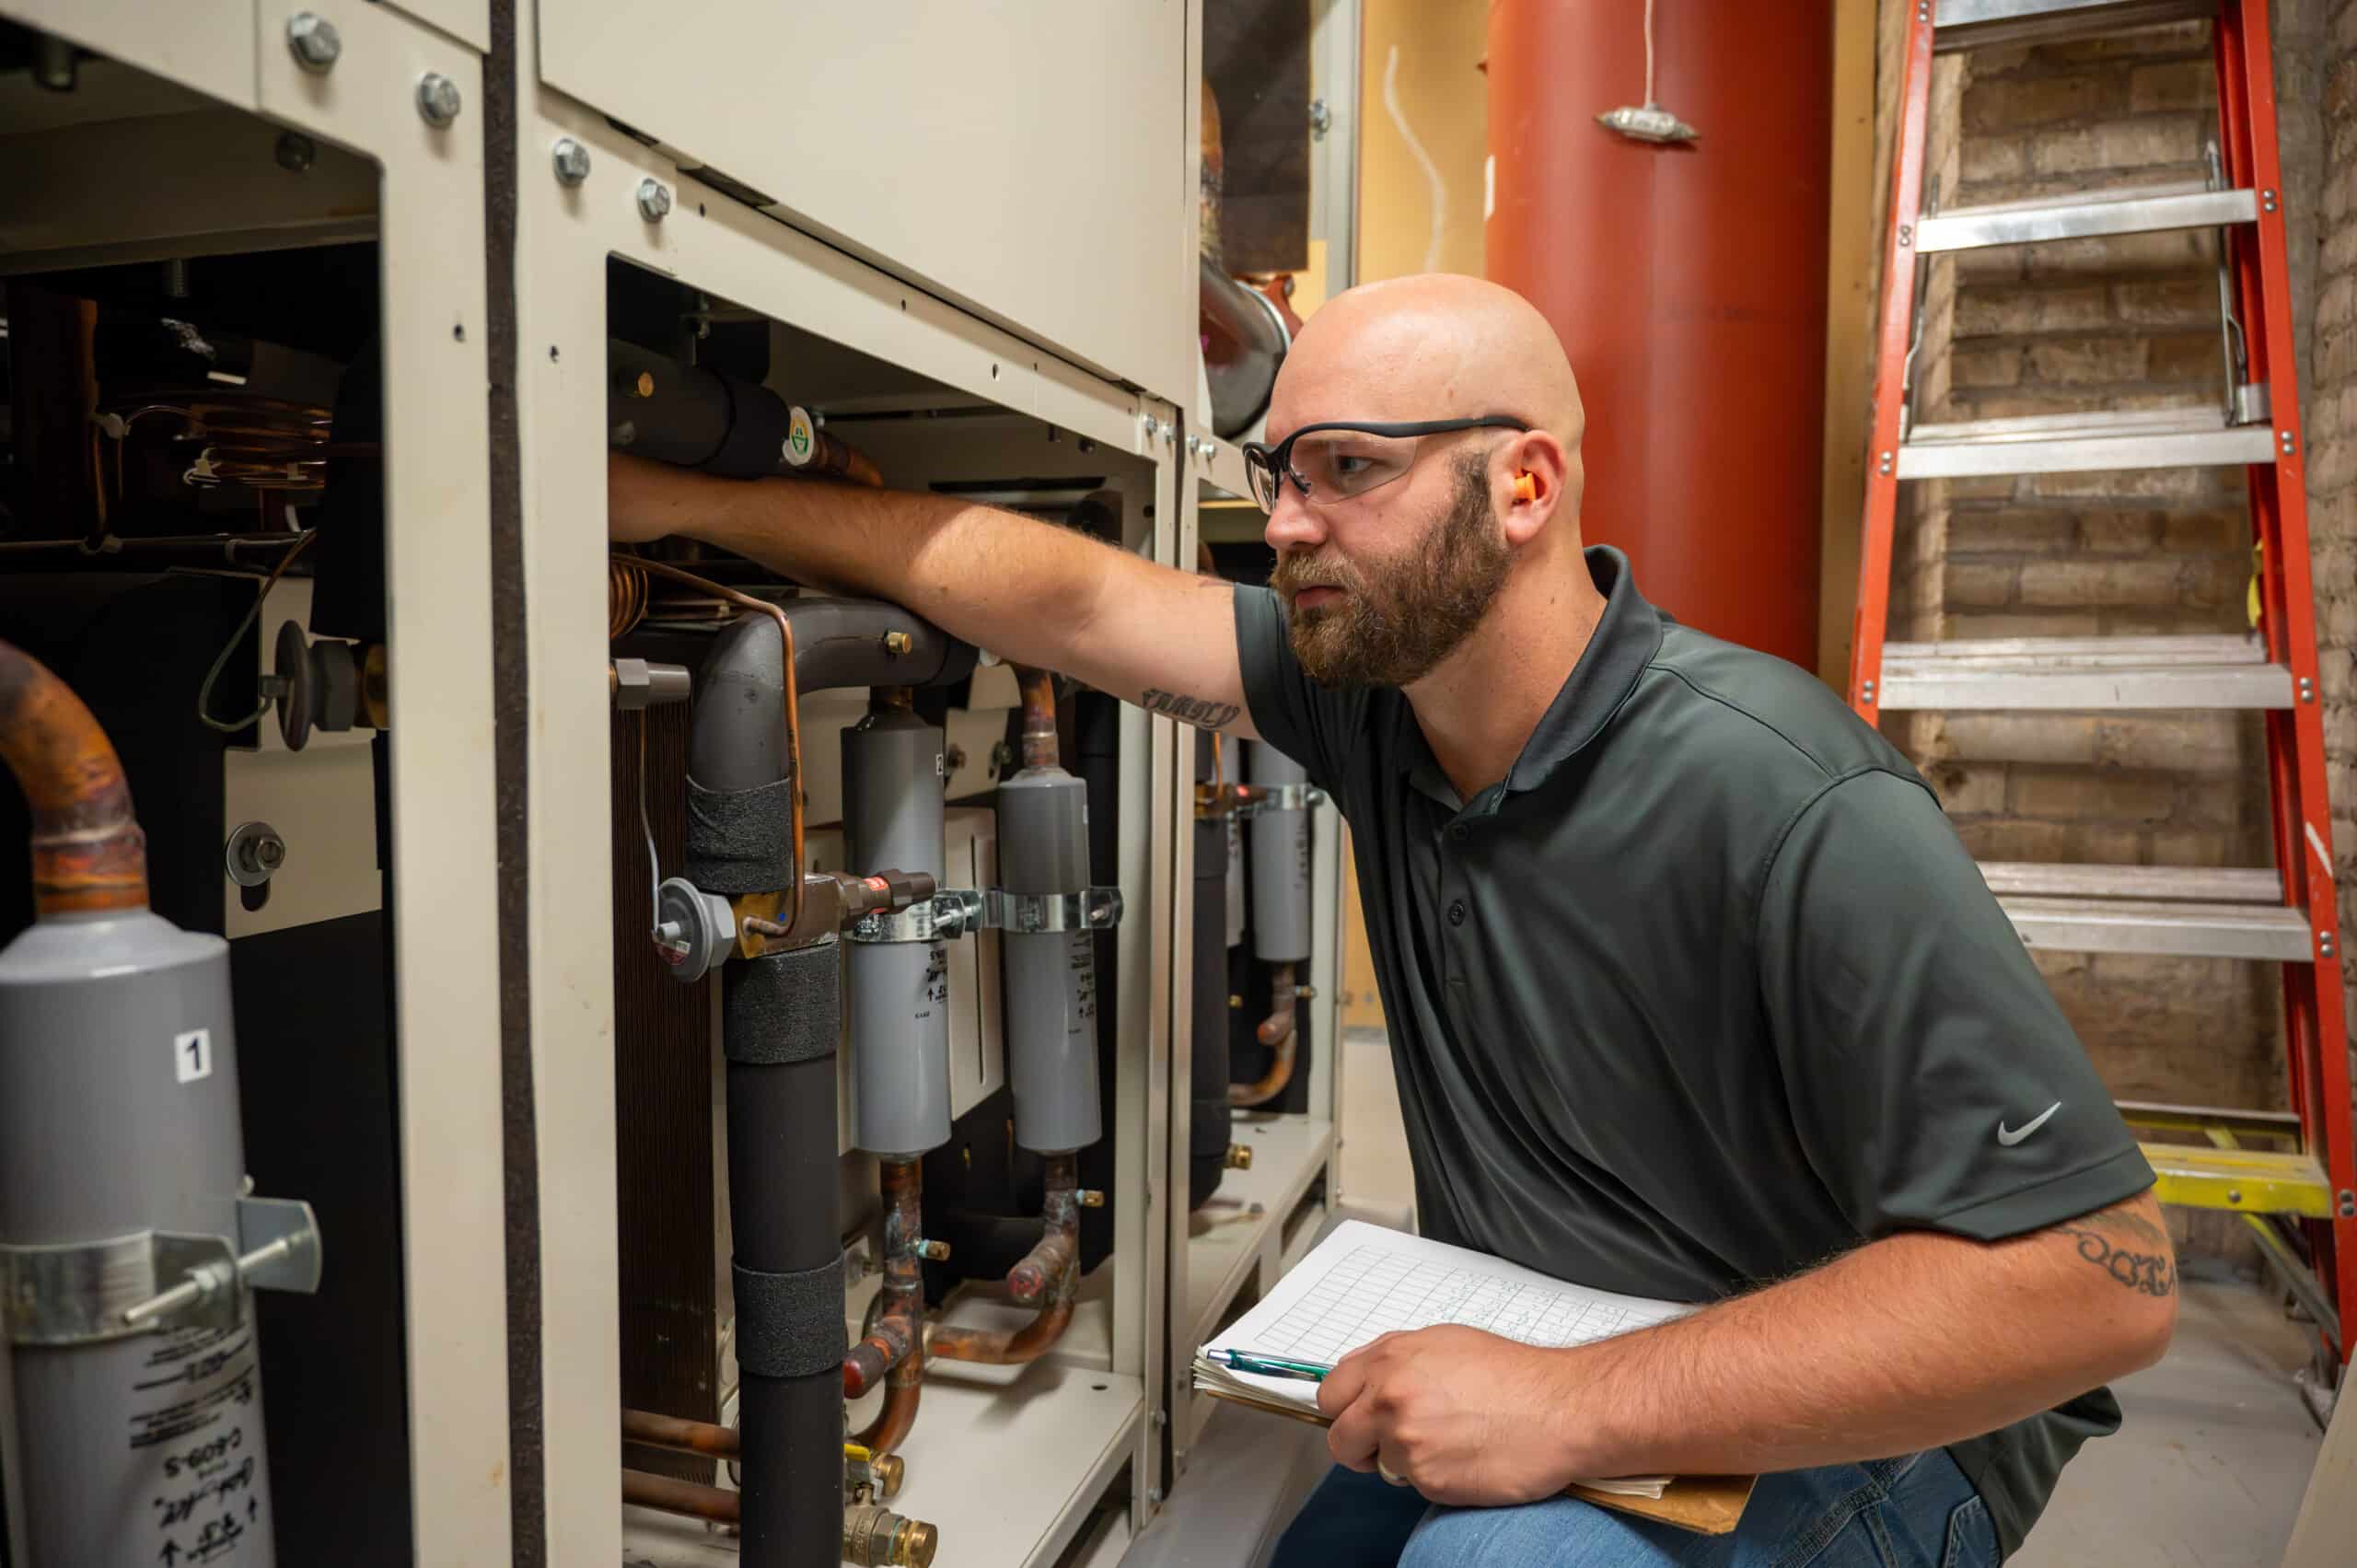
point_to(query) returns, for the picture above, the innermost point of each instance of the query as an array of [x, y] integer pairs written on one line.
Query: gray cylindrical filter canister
[[1051, 975], [118, 1115], [899, 991], [1235, 880], [1280, 864]]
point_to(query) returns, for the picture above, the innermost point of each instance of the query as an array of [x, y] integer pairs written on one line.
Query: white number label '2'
[[193, 1055]]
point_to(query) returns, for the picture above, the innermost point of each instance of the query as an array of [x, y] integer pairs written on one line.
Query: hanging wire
[[654, 861], [1649, 56], [221, 659]]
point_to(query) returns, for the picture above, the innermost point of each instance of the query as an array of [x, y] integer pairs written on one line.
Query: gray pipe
[[779, 1019], [141, 1449], [119, 1133], [1280, 864], [1050, 1009], [900, 1009]]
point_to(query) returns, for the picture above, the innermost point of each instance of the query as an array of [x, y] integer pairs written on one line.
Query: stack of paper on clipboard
[[1363, 1280]]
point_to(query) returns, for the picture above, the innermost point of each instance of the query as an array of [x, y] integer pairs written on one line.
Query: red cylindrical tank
[[1687, 283]]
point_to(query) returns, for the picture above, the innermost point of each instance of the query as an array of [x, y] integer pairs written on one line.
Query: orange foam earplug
[[1526, 486]]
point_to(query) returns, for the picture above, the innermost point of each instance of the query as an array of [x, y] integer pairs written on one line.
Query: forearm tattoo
[[2128, 1247], [1195, 711]]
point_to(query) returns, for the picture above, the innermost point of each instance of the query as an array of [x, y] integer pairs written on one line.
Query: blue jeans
[[1917, 1511]]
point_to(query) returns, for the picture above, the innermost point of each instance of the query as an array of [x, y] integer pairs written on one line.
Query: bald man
[[1694, 992]]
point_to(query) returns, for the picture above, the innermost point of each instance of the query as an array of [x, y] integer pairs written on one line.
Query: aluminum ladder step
[[1982, 23], [2252, 1181], [2089, 215], [2026, 673], [2167, 884], [2183, 911], [2162, 928], [2080, 443]]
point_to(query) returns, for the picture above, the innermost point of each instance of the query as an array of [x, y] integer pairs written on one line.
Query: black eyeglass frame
[[1277, 462]]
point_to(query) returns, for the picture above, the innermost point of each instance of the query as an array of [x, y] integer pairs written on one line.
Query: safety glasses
[[1342, 458]]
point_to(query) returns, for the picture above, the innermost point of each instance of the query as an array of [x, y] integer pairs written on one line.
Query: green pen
[[1271, 1366]]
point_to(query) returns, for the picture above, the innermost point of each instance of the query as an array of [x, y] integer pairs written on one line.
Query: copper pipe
[[840, 458], [894, 1341], [899, 1412], [1038, 688], [793, 702], [626, 596], [1048, 1277], [679, 1435], [716, 1504], [89, 857], [1025, 1344], [1030, 1281], [1276, 1032]]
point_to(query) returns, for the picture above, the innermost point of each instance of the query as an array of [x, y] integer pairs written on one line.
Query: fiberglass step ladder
[[2302, 1176]]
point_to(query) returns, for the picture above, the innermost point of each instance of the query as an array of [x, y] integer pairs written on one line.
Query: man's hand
[[1462, 1416]]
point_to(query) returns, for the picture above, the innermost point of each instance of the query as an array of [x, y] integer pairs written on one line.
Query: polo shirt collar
[[1624, 642]]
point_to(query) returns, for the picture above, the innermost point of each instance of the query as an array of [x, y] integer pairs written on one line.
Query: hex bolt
[[653, 200], [571, 160], [315, 42], [296, 152], [437, 98], [1321, 118]]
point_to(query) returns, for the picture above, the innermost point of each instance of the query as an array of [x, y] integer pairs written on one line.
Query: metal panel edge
[[437, 496]]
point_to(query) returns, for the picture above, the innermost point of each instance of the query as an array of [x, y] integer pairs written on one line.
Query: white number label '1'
[[193, 1055]]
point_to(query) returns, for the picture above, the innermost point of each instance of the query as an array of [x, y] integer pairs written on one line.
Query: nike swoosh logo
[[2009, 1136]]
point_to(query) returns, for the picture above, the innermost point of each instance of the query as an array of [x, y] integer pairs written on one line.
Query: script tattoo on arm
[[1195, 711], [2128, 1247]]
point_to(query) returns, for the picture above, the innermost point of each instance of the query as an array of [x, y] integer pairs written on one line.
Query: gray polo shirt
[[1705, 990]]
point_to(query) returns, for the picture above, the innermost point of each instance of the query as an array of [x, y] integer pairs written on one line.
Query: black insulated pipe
[[687, 414], [781, 1017], [1207, 1082]]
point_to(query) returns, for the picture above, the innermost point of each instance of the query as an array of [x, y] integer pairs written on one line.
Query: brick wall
[[2117, 324]]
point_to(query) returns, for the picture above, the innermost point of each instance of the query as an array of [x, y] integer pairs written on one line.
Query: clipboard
[[1706, 1504]]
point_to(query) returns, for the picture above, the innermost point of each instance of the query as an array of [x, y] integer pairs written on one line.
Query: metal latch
[[88, 1293], [955, 911]]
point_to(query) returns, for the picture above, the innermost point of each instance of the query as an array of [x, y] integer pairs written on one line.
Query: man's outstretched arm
[[1026, 590], [1906, 1343]]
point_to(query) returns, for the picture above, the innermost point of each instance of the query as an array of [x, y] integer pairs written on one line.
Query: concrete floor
[[2209, 1466]]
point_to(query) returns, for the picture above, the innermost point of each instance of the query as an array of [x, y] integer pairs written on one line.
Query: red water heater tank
[[1687, 282]]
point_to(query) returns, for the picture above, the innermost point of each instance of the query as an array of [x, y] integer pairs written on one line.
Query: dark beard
[[1391, 628]]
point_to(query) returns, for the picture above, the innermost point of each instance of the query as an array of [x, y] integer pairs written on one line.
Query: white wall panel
[[1028, 162]]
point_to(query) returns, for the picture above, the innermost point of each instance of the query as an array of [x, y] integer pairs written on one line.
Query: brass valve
[[878, 1538], [1239, 1156]]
